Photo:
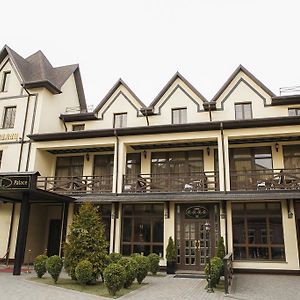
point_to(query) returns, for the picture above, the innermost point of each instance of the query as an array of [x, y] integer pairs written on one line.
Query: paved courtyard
[[246, 287]]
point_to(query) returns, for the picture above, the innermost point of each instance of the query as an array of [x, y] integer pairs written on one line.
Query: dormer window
[[294, 111], [5, 81], [243, 111], [9, 117], [78, 127], [120, 120], [179, 116]]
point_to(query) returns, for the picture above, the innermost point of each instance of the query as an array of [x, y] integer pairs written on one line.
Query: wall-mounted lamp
[[208, 151], [290, 213], [87, 156], [277, 147], [145, 154], [167, 210]]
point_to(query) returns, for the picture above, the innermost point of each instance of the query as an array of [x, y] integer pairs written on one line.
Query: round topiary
[[84, 272], [39, 265], [114, 278], [54, 266], [216, 265], [153, 263], [114, 258], [142, 267], [130, 266]]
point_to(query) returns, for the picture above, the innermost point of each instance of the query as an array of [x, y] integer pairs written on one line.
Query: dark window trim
[[114, 119], [242, 103], [5, 114], [178, 108]]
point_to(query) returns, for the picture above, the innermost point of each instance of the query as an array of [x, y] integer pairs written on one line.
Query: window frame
[[5, 81], [179, 109], [243, 110], [120, 114], [6, 108], [296, 109], [78, 125]]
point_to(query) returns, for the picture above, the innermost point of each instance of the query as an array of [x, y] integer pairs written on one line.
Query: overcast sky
[[146, 42]]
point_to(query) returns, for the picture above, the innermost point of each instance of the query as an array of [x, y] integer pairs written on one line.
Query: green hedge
[[130, 266], [39, 265], [153, 263], [54, 266], [84, 272], [114, 278], [142, 267]]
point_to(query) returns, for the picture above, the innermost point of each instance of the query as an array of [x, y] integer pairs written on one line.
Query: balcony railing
[[180, 182], [76, 184], [273, 179]]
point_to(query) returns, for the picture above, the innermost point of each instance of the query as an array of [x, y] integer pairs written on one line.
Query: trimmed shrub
[[171, 250], [39, 265], [216, 267], [153, 263], [114, 258], [86, 241], [54, 266], [142, 267], [114, 278], [221, 248], [84, 272], [130, 266]]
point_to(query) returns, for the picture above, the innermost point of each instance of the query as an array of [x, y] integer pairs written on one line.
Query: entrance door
[[192, 241], [54, 237]]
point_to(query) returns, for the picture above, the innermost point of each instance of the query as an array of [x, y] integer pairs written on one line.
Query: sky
[[146, 42]]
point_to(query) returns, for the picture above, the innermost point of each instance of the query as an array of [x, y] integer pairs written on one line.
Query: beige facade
[[182, 152]]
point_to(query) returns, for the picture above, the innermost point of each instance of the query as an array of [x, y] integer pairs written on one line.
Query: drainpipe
[[116, 189]]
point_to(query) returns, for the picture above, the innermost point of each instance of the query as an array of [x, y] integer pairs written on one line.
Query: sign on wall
[[9, 136], [196, 212], [14, 182]]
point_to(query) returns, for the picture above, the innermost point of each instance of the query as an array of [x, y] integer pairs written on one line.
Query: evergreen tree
[[86, 241], [221, 248]]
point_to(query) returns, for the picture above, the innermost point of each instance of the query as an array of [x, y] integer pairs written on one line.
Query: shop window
[[179, 116], [5, 81], [120, 120], [257, 231], [9, 117], [142, 229], [243, 111]]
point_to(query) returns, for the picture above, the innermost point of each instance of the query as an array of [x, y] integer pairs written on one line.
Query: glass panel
[[277, 253], [143, 249], [103, 165], [142, 230], [133, 166], [120, 120], [247, 111], [158, 230], [276, 234], [127, 228], [158, 250], [238, 111], [238, 225], [239, 253], [126, 250], [258, 253], [257, 230]]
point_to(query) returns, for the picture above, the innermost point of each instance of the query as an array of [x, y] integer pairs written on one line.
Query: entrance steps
[[190, 274]]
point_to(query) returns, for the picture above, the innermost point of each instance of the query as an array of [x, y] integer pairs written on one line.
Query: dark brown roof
[[37, 71], [168, 85], [286, 100], [233, 75], [112, 90]]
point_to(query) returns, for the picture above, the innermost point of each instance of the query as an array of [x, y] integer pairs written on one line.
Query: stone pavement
[[246, 287]]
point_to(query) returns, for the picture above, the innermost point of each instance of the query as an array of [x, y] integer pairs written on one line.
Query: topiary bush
[[114, 257], [130, 266], [216, 268], [221, 248], [142, 267], [84, 272], [86, 241], [54, 266], [39, 265], [114, 278], [171, 250], [153, 263]]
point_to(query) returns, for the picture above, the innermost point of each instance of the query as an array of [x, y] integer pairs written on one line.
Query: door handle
[[197, 244]]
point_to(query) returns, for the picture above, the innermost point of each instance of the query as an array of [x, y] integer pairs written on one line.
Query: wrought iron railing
[[272, 179], [180, 182], [76, 184], [228, 273]]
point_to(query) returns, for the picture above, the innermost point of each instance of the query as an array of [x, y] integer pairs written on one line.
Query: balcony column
[[146, 162], [277, 157], [223, 152], [121, 166]]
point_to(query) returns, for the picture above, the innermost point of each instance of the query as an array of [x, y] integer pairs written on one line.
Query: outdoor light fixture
[[87, 156], [208, 151], [207, 230], [277, 147], [145, 154], [290, 213]]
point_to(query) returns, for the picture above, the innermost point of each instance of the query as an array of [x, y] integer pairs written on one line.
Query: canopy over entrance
[[21, 187]]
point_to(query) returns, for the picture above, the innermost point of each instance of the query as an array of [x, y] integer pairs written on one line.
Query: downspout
[[224, 175], [19, 168], [64, 123], [116, 189]]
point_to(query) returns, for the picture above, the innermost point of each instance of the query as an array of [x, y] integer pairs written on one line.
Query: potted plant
[[171, 257]]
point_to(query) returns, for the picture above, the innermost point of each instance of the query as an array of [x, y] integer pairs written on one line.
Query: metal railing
[[180, 182], [272, 179], [77, 109], [290, 90], [228, 273], [76, 184]]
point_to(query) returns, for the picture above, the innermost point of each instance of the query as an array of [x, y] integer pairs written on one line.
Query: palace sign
[[196, 212], [14, 182]]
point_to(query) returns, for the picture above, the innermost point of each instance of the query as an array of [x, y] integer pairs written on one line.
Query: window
[[120, 120], [103, 170], [1, 153], [143, 229], [5, 81], [78, 127], [294, 111], [9, 117], [257, 231], [133, 164], [291, 155], [179, 115], [243, 111]]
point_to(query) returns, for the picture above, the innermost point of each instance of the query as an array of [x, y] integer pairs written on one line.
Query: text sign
[[14, 182], [196, 212]]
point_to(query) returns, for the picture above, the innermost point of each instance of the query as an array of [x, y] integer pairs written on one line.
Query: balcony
[[273, 179], [76, 184], [163, 183]]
